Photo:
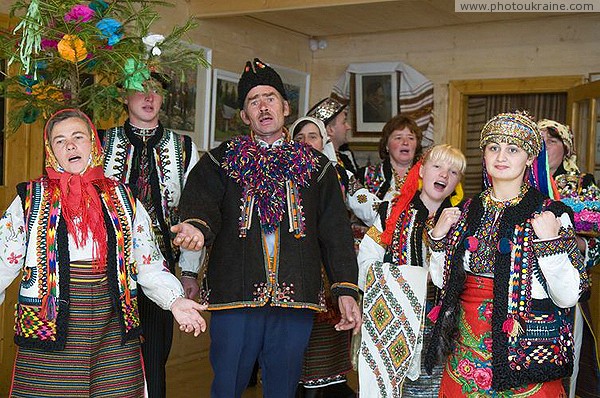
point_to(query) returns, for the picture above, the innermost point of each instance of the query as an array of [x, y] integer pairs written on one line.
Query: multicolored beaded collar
[[270, 178], [489, 202]]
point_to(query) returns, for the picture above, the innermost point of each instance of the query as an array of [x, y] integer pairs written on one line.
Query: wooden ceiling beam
[[229, 8]]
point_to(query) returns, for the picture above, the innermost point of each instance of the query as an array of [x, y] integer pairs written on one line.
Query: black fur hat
[[258, 73]]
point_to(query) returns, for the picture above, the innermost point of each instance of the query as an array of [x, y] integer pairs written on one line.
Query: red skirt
[[468, 371]]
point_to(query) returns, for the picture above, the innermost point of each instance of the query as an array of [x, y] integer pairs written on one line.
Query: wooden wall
[[561, 45]]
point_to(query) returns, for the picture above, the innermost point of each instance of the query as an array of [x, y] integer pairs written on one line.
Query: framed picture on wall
[[226, 122], [296, 85], [375, 101], [186, 104]]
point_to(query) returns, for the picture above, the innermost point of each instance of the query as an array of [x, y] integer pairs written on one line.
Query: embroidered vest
[[170, 156], [49, 258], [543, 350]]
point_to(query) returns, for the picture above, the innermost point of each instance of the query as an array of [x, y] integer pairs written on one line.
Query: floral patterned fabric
[[469, 370]]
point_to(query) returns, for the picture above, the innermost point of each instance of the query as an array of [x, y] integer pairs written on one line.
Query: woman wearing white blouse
[[510, 272], [82, 244]]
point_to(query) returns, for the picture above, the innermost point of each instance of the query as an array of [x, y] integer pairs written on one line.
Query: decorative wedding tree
[[83, 53]]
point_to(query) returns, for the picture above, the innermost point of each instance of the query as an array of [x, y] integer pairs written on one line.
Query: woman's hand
[[545, 225], [448, 218], [187, 314]]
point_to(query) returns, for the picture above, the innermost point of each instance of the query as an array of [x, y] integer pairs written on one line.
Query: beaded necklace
[[398, 180], [142, 132], [485, 243]]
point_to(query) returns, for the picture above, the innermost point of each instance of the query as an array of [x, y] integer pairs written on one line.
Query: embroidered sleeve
[[363, 203], [563, 275], [370, 251], [159, 284], [12, 244], [436, 245]]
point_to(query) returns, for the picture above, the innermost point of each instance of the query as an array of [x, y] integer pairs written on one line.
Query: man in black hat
[[272, 211], [333, 113], [154, 162]]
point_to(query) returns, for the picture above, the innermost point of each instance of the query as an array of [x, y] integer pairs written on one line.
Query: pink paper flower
[[483, 378], [79, 13], [48, 44]]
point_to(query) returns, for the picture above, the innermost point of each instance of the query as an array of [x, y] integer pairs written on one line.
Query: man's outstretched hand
[[188, 237]]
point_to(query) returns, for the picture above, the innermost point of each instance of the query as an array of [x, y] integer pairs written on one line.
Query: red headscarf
[[79, 199]]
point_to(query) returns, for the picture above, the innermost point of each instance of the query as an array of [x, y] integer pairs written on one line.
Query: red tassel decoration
[[434, 313], [401, 202]]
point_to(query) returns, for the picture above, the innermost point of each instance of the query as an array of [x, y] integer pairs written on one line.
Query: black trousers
[[157, 331]]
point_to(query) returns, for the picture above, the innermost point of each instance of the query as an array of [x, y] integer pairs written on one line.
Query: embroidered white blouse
[[159, 284]]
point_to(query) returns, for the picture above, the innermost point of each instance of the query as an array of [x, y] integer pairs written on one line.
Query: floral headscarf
[[566, 136]]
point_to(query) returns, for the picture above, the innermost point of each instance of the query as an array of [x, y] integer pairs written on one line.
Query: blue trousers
[[277, 337]]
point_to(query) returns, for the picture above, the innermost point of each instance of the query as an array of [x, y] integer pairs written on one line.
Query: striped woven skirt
[[468, 370], [93, 363], [327, 357]]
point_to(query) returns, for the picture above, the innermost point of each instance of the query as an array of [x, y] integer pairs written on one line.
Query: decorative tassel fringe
[[434, 313], [512, 327], [49, 307]]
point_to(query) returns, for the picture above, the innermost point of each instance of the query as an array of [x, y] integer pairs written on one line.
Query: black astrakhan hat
[[258, 73], [327, 109]]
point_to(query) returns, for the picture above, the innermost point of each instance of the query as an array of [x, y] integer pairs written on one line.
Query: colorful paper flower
[[98, 6], [110, 29], [27, 81], [48, 44], [72, 48], [79, 13], [136, 74], [30, 115], [45, 92], [152, 42]]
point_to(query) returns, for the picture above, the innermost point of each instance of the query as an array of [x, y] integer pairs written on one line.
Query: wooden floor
[[189, 373], [193, 378]]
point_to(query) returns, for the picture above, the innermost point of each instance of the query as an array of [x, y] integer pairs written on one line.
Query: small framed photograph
[[186, 105], [226, 121], [375, 101]]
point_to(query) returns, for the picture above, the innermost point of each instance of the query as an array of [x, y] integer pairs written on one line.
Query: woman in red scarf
[[82, 244]]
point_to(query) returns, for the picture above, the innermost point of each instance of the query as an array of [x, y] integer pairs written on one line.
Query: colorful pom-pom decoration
[[505, 246], [471, 243]]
